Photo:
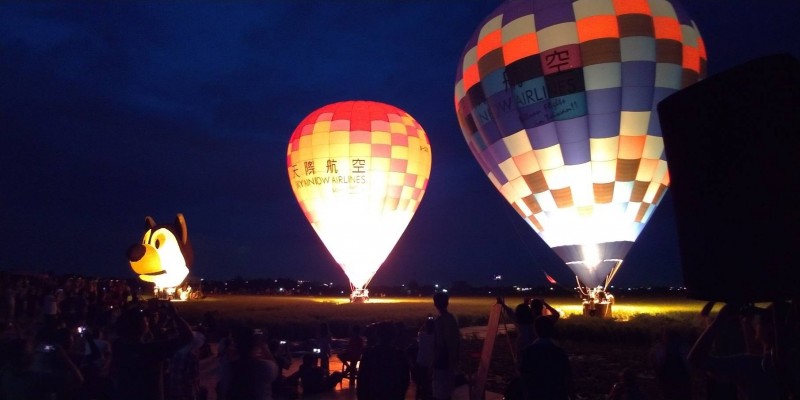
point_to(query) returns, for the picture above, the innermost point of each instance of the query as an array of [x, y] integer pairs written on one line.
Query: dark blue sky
[[113, 111]]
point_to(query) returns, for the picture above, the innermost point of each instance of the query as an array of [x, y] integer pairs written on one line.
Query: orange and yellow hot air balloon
[[359, 170]]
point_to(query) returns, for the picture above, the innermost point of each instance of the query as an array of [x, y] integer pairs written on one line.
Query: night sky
[[110, 112]]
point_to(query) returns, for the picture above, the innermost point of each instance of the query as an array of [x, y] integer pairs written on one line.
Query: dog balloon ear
[[180, 223], [149, 222]]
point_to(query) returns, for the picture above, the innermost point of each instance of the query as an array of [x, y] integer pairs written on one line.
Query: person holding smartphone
[[138, 366], [252, 374], [43, 373]]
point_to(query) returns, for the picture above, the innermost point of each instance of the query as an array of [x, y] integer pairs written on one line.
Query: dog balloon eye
[[158, 243]]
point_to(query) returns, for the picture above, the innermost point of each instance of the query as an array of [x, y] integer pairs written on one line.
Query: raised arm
[[700, 354], [553, 312]]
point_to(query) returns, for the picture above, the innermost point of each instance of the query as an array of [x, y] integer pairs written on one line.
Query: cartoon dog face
[[164, 255]]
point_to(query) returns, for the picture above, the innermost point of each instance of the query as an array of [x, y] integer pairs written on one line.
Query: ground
[[599, 350]]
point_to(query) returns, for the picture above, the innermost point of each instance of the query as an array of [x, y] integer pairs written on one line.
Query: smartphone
[[283, 342], [316, 351], [47, 348]]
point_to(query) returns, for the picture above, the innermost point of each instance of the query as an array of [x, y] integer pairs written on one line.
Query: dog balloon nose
[[136, 252]]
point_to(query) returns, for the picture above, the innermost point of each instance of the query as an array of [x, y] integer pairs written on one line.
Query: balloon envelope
[[557, 101], [164, 254], [359, 170]]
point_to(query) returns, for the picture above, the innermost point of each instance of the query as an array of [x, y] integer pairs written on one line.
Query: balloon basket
[[359, 296], [597, 310]]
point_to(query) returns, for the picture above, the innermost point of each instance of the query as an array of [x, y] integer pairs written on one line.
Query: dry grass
[[266, 310]]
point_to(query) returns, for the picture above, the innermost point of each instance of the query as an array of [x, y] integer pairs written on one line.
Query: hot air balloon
[[557, 101], [359, 170], [164, 255]]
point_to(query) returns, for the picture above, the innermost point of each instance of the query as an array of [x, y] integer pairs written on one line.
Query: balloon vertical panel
[[359, 170], [557, 101]]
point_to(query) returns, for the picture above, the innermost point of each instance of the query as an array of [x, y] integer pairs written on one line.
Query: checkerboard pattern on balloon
[[355, 147], [557, 101]]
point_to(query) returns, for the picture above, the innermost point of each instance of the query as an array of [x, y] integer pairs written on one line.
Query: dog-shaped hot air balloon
[[164, 254]]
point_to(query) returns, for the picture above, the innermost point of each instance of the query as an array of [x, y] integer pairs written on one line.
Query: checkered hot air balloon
[[359, 170], [557, 101]]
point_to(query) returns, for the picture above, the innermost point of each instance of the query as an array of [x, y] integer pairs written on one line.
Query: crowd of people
[[84, 339], [77, 338], [81, 339]]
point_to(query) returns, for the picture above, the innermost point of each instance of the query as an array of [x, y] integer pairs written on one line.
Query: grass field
[[599, 349], [337, 311]]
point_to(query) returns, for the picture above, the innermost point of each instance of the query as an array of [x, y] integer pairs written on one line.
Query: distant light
[[444, 290], [437, 285]]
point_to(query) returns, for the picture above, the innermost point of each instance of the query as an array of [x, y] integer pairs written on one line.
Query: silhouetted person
[[46, 373], [324, 339], [540, 307], [445, 349], [753, 372], [352, 353], [384, 370], [729, 341], [94, 364], [423, 361], [184, 371], [522, 315], [544, 368], [137, 367], [312, 378], [671, 368], [251, 374]]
